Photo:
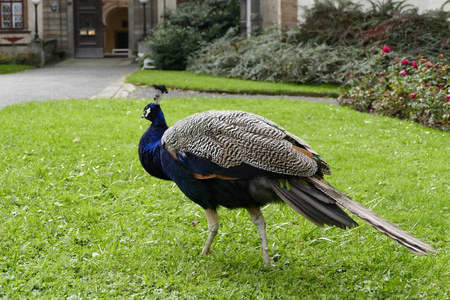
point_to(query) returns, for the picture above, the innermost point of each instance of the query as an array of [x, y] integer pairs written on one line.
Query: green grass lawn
[[80, 218], [191, 81], [7, 69]]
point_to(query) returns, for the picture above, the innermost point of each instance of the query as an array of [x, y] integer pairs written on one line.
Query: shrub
[[27, 59], [329, 22], [185, 29], [344, 23], [269, 57], [417, 90], [336, 44]]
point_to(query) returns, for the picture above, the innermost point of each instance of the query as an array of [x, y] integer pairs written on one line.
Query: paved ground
[[72, 78], [147, 92], [90, 78]]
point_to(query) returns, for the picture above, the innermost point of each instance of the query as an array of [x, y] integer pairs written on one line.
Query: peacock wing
[[233, 140]]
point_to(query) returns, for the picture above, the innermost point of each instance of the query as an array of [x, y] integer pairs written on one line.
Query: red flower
[[403, 72], [405, 62], [414, 64], [386, 49], [448, 98], [412, 95]]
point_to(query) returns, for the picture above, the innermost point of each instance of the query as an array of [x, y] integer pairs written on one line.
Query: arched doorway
[[116, 31]]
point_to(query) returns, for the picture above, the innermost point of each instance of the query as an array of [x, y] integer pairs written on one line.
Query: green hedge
[[185, 30]]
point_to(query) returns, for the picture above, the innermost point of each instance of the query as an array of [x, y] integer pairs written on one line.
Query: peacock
[[237, 159]]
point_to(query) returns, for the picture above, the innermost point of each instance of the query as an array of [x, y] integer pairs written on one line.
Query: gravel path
[[95, 78], [72, 78]]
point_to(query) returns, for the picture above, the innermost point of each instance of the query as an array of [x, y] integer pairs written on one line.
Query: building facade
[[80, 28]]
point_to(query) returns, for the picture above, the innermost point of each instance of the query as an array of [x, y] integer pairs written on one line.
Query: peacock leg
[[258, 220], [213, 226]]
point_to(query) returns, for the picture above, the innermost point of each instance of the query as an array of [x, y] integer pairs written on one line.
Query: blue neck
[[150, 149], [157, 116]]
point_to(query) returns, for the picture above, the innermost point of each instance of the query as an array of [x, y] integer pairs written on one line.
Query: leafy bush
[[408, 89], [336, 44], [344, 23], [3, 59], [27, 59], [184, 30], [269, 57], [328, 22]]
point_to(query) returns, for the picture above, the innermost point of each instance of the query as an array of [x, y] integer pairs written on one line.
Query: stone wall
[[287, 17], [55, 23]]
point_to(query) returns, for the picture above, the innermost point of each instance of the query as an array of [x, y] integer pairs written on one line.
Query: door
[[122, 40], [88, 28]]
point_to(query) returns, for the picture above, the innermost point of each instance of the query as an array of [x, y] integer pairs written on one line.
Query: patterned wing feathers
[[230, 138]]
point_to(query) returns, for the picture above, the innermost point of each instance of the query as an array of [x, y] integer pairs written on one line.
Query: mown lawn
[[81, 219], [192, 81], [7, 69]]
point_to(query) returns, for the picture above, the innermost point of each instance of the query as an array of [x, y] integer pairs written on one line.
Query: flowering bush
[[417, 90], [396, 23]]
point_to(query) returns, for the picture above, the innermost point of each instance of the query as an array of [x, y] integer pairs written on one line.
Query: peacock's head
[[152, 111]]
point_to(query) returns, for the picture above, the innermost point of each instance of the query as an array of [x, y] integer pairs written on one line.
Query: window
[[11, 14]]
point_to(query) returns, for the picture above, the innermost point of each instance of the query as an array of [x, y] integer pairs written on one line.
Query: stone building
[[79, 28]]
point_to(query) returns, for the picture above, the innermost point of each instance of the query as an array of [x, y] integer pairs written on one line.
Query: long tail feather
[[402, 237], [318, 202], [311, 203]]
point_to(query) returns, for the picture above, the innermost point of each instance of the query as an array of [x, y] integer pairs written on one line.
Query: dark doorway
[[122, 40], [88, 28]]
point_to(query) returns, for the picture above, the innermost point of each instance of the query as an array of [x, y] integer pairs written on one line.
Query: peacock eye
[[147, 112]]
